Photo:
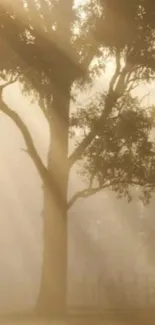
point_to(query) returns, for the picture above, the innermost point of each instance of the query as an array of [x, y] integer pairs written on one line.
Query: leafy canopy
[[53, 44]]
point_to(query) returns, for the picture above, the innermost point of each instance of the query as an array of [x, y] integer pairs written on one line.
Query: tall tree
[[53, 47]]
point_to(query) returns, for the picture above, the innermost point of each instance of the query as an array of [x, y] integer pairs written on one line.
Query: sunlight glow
[[77, 3], [119, 232], [110, 68]]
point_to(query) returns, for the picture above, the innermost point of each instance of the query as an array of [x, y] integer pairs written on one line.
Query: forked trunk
[[52, 297]]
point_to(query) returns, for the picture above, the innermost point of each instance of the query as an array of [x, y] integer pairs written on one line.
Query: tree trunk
[[53, 291]]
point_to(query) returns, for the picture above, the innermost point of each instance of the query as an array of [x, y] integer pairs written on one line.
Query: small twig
[[25, 150], [8, 83]]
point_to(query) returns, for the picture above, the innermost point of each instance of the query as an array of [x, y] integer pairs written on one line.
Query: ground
[[135, 318]]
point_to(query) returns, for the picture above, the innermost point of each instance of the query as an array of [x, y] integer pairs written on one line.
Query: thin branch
[[47, 178], [77, 154], [131, 87], [110, 101], [144, 97], [83, 194], [11, 81], [91, 191], [86, 62], [121, 84], [140, 79], [27, 137]]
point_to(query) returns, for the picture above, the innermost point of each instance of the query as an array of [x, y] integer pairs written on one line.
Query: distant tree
[[53, 48]]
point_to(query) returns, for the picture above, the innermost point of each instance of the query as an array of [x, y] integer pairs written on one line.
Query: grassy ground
[[142, 317], [107, 319]]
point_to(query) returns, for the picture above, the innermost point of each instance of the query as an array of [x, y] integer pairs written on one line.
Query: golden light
[[36, 124]]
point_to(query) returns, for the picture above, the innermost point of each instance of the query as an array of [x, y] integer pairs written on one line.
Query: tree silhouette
[[52, 48]]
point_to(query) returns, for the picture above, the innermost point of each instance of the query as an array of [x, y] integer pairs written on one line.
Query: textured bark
[[52, 297]]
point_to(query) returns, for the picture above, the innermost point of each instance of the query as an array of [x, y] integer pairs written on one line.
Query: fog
[[104, 237]]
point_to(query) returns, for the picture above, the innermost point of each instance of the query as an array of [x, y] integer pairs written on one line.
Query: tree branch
[[91, 191], [27, 137], [47, 178], [111, 99], [84, 194], [10, 82]]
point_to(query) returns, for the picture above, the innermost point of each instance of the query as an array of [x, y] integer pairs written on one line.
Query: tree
[[50, 57]]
